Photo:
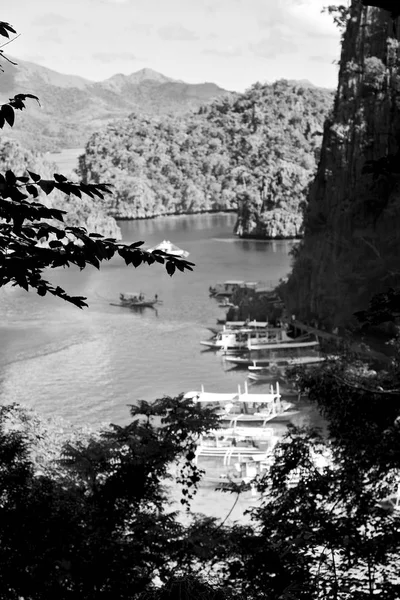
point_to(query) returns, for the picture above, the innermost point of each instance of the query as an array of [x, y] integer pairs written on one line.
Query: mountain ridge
[[72, 107]]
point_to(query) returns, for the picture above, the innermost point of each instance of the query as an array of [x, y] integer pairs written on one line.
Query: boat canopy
[[170, 248], [213, 397], [131, 295], [262, 398]]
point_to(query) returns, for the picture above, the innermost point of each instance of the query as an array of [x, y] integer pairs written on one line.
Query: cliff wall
[[350, 249]]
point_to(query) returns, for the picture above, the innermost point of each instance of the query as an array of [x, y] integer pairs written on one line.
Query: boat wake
[[45, 352]]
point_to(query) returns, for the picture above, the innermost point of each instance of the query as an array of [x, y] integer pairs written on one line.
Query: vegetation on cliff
[[84, 211], [350, 248], [254, 153]]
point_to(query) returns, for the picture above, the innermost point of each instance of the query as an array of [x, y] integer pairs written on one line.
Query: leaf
[[75, 191], [136, 259], [47, 186], [60, 178], [8, 113], [16, 194], [18, 100], [34, 176], [170, 268], [32, 190], [5, 28], [10, 178]]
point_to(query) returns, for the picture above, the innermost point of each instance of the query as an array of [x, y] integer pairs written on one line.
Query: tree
[[34, 237], [103, 525]]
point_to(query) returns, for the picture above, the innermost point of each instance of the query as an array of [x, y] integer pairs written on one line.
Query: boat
[[240, 448], [244, 412], [253, 338], [236, 325], [225, 303], [136, 300], [227, 288], [279, 366], [169, 248]]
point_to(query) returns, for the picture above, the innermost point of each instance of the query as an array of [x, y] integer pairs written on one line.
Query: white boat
[[170, 248], [236, 325], [279, 366], [253, 338], [241, 411], [227, 288]]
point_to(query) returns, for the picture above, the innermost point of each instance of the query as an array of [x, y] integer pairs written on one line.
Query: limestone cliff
[[350, 249]]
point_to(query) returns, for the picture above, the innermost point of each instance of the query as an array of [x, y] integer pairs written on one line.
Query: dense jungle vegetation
[[254, 153]]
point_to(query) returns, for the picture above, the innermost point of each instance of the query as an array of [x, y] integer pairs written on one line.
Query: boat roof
[[166, 244], [245, 397]]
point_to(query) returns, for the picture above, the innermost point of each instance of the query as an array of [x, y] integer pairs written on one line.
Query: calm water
[[87, 366]]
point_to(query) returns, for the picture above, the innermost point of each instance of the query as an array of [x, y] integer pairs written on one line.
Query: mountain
[[350, 250], [72, 108]]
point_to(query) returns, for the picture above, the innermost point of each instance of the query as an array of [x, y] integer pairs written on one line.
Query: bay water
[[88, 365]]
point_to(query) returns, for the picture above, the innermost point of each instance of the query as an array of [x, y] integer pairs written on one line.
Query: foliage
[[106, 530], [85, 211], [321, 531], [390, 5], [254, 152], [382, 308], [340, 14], [33, 237]]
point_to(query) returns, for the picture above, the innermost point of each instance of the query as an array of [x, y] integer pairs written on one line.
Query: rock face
[[350, 249]]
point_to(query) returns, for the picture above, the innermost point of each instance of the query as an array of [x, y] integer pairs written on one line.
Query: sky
[[233, 43]]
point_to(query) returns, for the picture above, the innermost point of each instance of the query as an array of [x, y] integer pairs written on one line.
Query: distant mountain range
[[72, 108]]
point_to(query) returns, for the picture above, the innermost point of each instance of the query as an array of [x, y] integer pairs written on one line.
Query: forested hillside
[[72, 108], [84, 212], [254, 153]]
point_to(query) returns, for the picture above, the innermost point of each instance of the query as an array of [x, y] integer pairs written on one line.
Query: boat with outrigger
[[136, 300], [241, 447], [254, 338]]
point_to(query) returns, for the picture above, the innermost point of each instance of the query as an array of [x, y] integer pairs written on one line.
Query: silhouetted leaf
[[46, 185], [8, 113], [170, 268], [10, 178], [60, 178], [34, 176], [32, 190]]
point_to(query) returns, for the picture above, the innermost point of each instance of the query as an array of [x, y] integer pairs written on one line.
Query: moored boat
[[169, 248], [244, 409], [253, 338], [227, 288]]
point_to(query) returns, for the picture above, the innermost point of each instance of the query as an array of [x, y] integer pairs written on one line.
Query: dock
[[358, 348]]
